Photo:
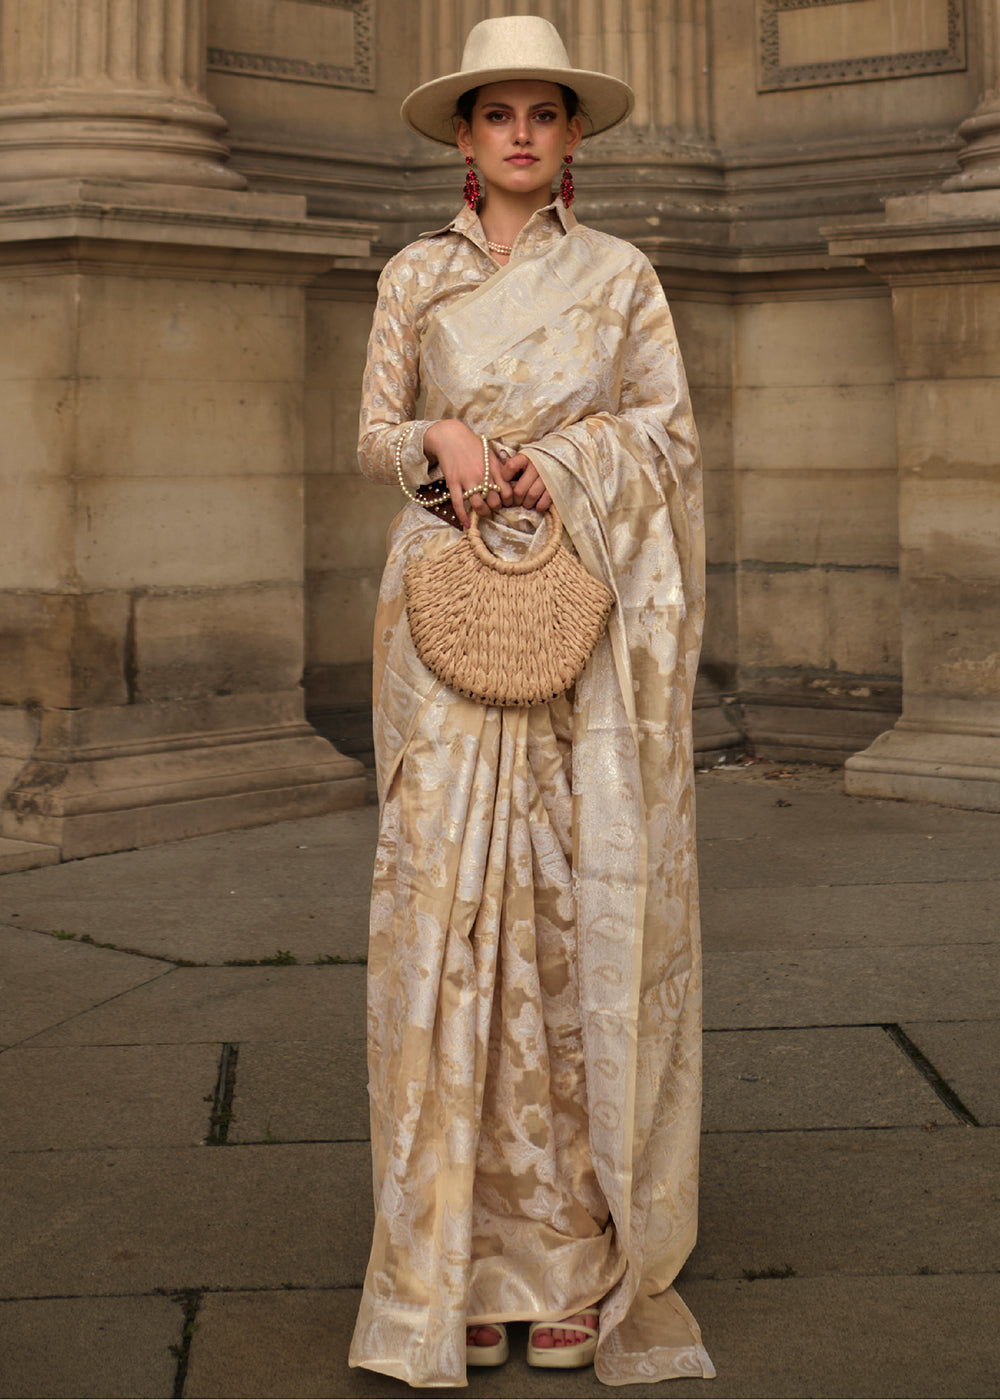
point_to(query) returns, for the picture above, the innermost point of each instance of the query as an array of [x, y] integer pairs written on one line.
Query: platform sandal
[[563, 1358], [494, 1355]]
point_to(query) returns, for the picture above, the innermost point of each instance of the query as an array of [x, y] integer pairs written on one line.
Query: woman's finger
[[529, 486], [458, 504], [500, 477], [502, 493], [516, 465]]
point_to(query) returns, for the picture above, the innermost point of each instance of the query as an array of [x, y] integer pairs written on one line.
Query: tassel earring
[[472, 190], [566, 192]]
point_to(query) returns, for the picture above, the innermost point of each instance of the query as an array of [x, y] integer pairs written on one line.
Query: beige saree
[[534, 976]]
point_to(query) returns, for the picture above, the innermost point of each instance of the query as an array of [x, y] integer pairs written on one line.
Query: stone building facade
[[196, 197]]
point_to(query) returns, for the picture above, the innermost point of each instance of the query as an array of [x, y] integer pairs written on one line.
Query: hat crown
[[506, 49], [514, 41]]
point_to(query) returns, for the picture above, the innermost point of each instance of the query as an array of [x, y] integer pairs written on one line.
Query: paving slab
[[213, 930], [789, 1337], [803, 855], [195, 1004], [876, 1201], [967, 1056], [845, 1077], [851, 986], [300, 886], [268, 1344], [771, 793], [302, 1092], [844, 916], [848, 1337], [118, 1222], [45, 981], [273, 860], [107, 1096], [89, 1346], [759, 834]]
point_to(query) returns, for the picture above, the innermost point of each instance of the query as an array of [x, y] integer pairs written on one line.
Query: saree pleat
[[534, 974]]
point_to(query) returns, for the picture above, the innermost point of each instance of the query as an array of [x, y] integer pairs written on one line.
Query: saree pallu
[[534, 971]]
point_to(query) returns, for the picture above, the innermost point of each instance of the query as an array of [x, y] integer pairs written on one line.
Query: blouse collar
[[544, 226]]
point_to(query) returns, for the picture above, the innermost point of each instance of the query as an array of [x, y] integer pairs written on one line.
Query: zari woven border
[[505, 631]]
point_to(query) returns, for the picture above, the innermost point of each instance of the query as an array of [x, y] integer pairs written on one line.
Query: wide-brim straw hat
[[516, 46]]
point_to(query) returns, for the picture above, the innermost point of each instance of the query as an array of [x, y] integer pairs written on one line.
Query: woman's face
[[518, 136]]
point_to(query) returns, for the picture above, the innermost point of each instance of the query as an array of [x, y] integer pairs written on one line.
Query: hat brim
[[430, 109]]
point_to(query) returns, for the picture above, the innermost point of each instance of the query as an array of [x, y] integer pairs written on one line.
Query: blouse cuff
[[411, 460]]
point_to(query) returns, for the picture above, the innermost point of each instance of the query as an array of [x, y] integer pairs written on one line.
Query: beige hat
[[517, 46]]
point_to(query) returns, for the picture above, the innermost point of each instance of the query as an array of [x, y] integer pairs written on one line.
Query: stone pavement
[[185, 1196]]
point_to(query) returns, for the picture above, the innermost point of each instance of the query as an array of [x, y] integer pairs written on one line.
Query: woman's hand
[[458, 451], [528, 487]]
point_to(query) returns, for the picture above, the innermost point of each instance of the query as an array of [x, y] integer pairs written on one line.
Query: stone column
[[444, 25], [941, 255], [980, 160], [108, 89], [151, 483], [660, 49]]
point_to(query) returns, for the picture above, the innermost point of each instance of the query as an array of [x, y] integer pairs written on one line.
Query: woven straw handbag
[[505, 631]]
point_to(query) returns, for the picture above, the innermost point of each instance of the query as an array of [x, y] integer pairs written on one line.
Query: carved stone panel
[[329, 42], [809, 43]]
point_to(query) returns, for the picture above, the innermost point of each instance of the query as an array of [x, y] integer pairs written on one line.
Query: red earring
[[472, 190], [566, 186]]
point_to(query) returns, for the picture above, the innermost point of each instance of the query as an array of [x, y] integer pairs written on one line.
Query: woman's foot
[[486, 1344], [565, 1344]]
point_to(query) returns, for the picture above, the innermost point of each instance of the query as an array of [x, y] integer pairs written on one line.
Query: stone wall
[[814, 434], [347, 518]]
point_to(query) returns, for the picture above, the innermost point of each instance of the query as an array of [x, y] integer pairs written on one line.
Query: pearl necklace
[[445, 495], [499, 247]]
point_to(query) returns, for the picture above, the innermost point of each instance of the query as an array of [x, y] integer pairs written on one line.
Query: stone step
[[26, 855]]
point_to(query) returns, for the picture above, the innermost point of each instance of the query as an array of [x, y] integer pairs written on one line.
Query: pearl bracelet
[[446, 496]]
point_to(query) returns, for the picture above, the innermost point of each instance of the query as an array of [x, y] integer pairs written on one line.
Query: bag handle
[[530, 563]]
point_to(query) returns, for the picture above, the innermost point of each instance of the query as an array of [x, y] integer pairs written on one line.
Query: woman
[[534, 984]]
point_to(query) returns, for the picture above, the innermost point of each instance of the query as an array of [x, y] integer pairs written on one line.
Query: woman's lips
[[522, 160]]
